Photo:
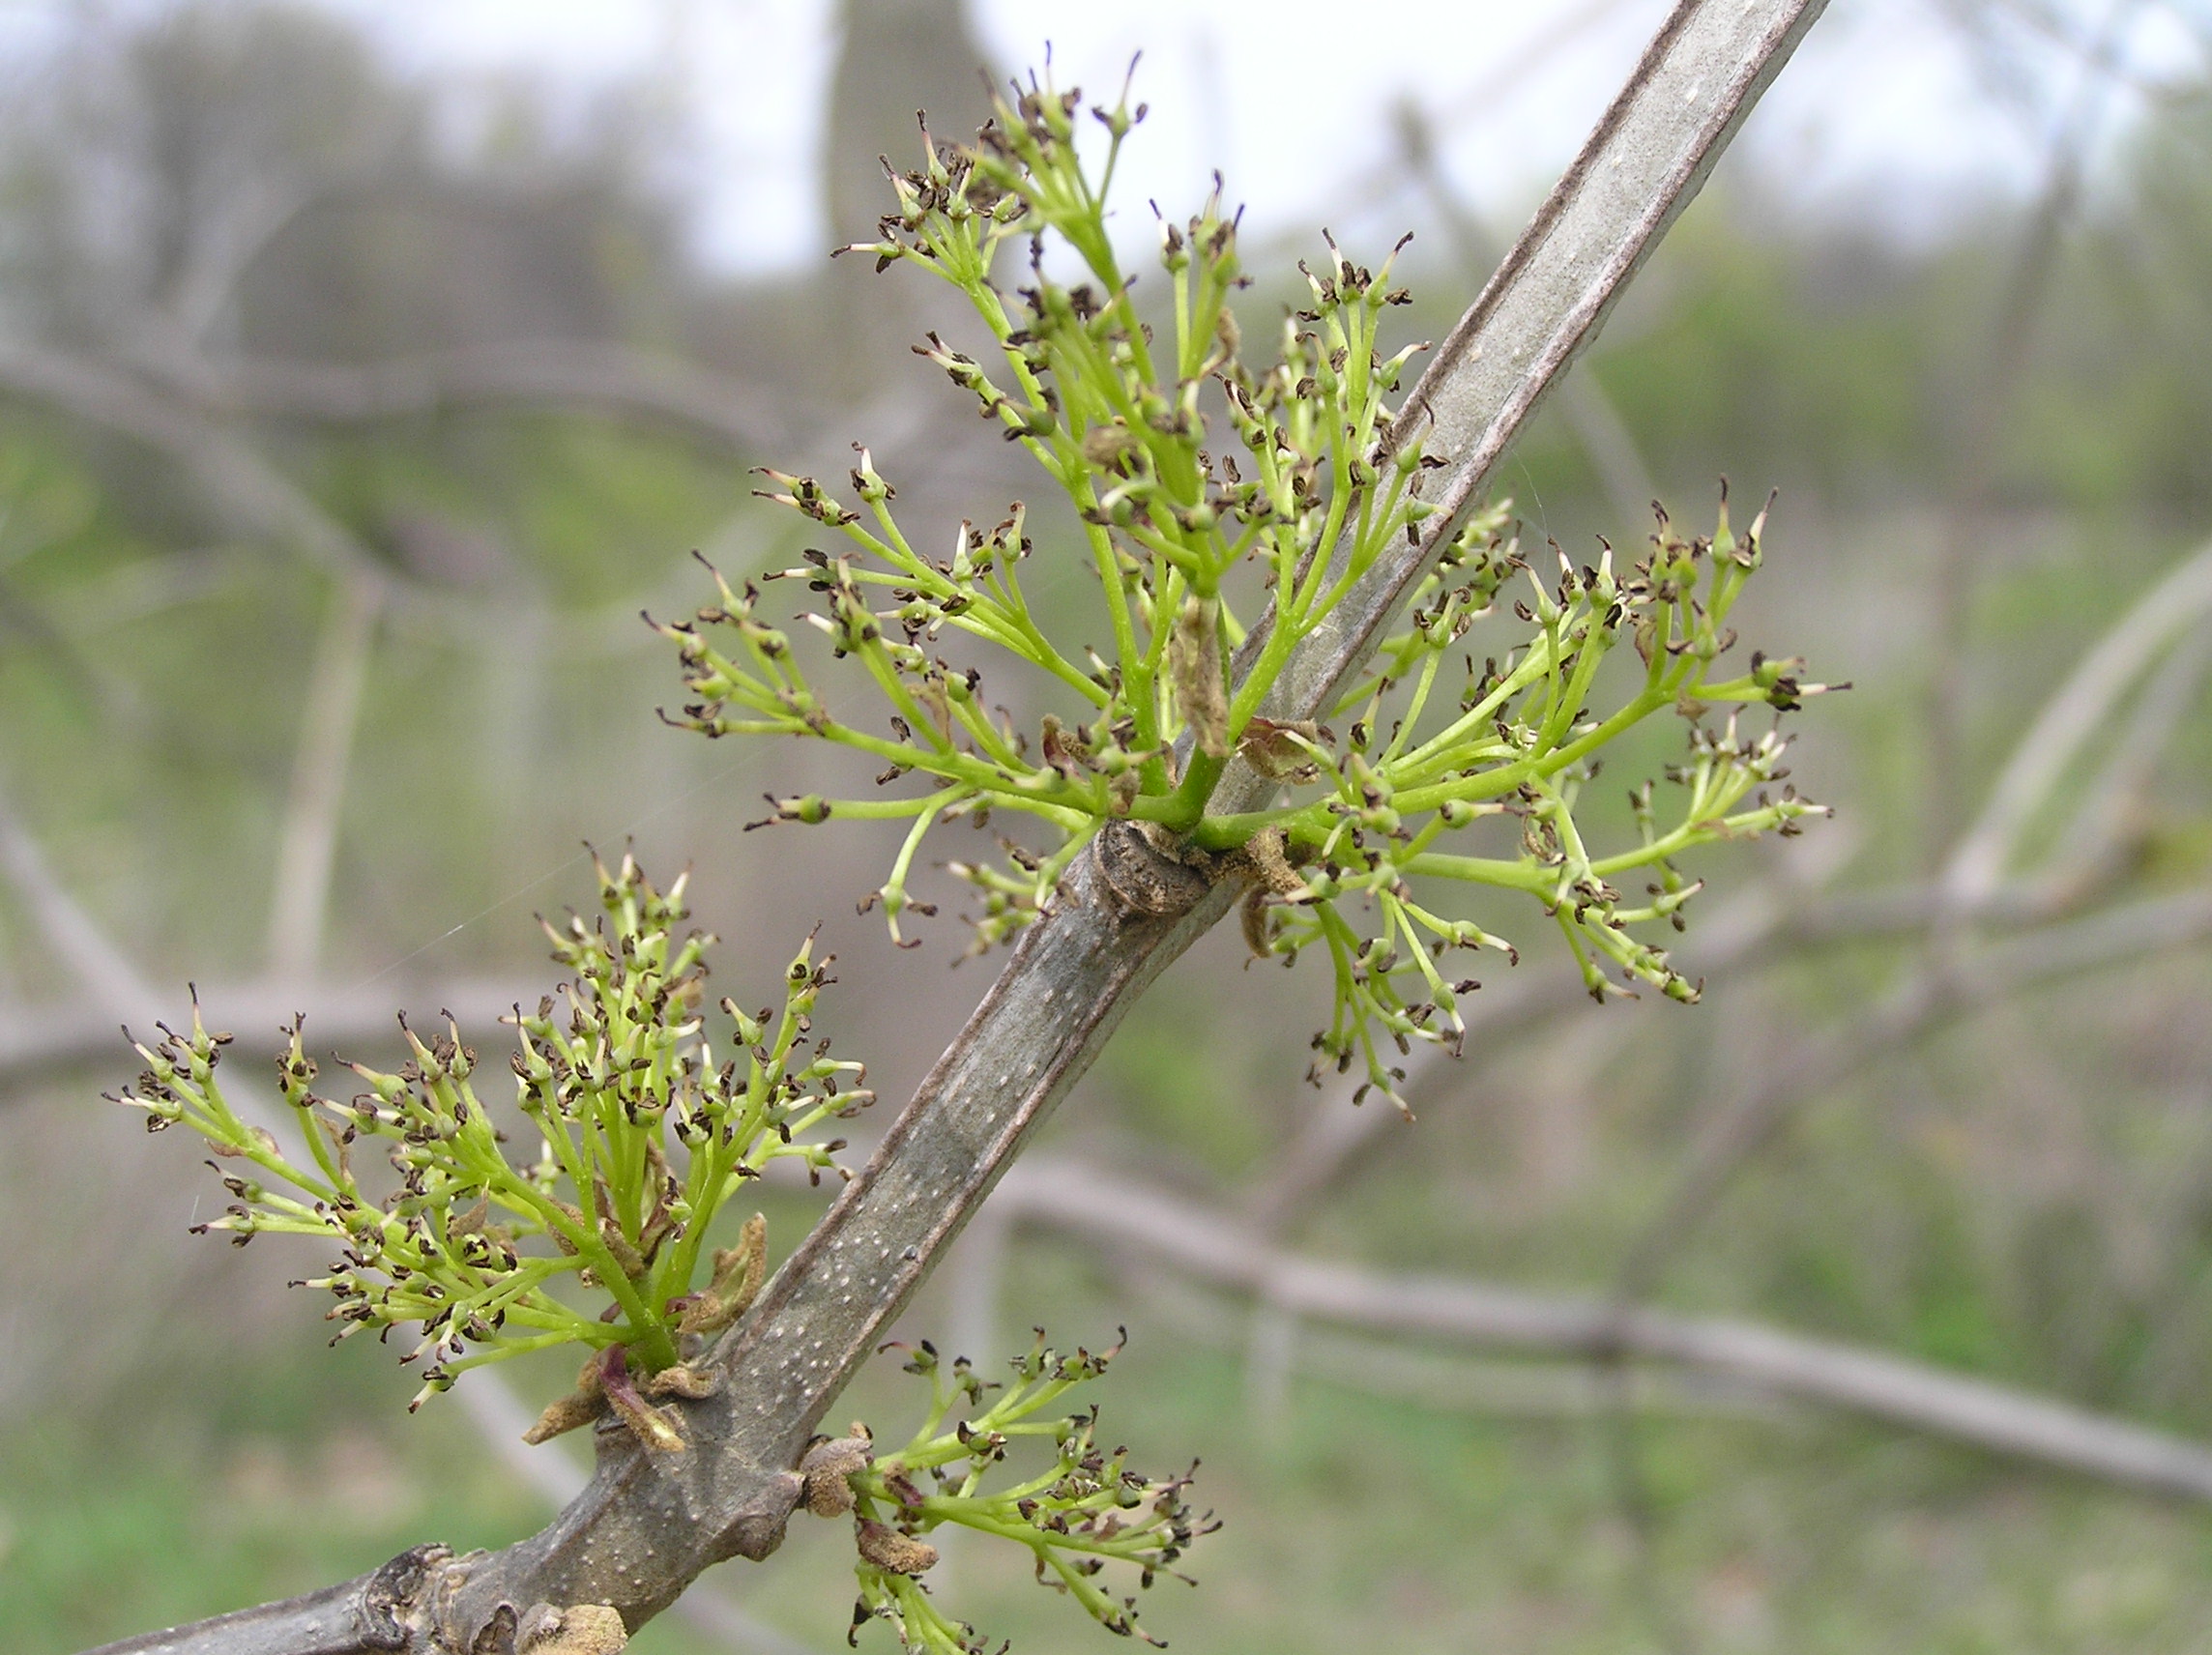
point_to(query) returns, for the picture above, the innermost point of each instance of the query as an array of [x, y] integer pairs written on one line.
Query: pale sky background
[[1890, 111]]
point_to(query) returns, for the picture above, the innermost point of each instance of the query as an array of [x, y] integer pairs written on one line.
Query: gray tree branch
[[239, 481], [1952, 986], [2077, 711], [501, 1417], [1606, 440], [1080, 1199], [583, 373], [74, 935], [307, 848]]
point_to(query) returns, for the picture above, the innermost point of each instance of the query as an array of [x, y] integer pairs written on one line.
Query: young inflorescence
[[644, 1135], [1077, 1512], [1314, 479]]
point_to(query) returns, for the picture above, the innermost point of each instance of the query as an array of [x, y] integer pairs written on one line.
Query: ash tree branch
[[1652, 149], [647, 1523], [1081, 1200], [2075, 714], [1606, 440], [583, 373], [239, 481], [501, 1417], [1951, 987], [73, 936], [337, 679]]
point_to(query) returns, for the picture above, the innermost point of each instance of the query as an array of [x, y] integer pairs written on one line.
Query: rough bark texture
[[649, 1523]]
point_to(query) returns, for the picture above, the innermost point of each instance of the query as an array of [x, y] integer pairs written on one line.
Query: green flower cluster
[[1518, 740], [1083, 1510], [1117, 424], [1308, 479], [644, 1136]]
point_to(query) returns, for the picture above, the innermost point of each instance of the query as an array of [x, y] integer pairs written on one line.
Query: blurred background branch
[[1081, 1200]]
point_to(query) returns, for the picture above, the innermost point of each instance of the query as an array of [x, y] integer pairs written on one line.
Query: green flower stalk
[[1205, 488], [644, 1135], [1083, 1509]]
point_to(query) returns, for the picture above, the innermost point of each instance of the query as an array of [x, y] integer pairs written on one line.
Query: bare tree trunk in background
[[899, 58]]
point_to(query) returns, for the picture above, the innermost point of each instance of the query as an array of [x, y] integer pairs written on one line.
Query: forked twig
[[2079, 708]]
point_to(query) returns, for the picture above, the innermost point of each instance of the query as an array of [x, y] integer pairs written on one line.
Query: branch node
[[1146, 874]]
